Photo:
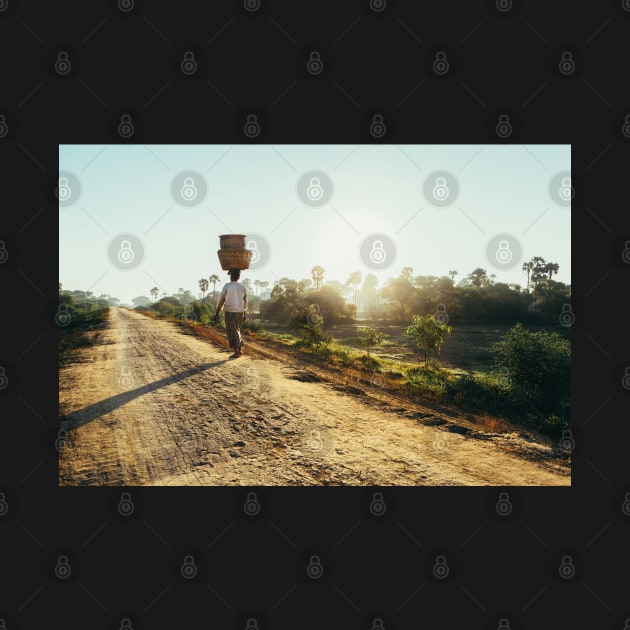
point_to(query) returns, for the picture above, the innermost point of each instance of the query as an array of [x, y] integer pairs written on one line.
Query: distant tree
[[552, 268], [539, 269], [401, 296], [354, 280], [317, 273], [203, 285], [527, 268], [306, 283], [428, 334], [257, 285], [369, 297], [247, 283], [60, 287], [406, 273], [452, 273], [140, 301], [263, 285], [154, 293], [213, 279], [478, 277]]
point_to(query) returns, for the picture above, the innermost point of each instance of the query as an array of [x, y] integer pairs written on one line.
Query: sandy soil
[[146, 404]]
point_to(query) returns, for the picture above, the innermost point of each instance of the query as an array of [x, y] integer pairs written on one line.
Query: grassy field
[[466, 349], [465, 377]]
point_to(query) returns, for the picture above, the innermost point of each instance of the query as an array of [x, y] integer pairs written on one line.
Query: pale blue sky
[[253, 189]]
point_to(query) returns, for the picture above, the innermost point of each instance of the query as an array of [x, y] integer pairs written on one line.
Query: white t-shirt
[[234, 294]]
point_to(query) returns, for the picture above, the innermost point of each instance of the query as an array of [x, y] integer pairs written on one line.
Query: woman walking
[[234, 300]]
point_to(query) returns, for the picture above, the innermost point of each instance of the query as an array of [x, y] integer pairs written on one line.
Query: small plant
[[428, 334], [308, 322], [368, 338]]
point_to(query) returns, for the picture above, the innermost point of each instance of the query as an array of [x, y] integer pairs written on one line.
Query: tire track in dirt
[[148, 405]]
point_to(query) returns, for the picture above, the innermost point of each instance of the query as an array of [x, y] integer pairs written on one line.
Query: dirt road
[[149, 405]]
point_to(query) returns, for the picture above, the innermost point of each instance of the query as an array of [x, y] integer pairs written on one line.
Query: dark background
[[125, 570]]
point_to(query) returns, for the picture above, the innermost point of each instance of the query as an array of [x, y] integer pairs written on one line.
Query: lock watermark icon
[[252, 127], [440, 568], [251, 506], [504, 126], [378, 507], [260, 248], [440, 315], [188, 569], [441, 65], [314, 65], [63, 317], [63, 65], [68, 188], [125, 504], [63, 570], [567, 63], [126, 5], [378, 6], [377, 251], [377, 127], [189, 188], [561, 189], [188, 66], [314, 569], [566, 442], [125, 380], [126, 128], [504, 251], [566, 568], [503, 505], [125, 251], [441, 188], [315, 188], [251, 5], [566, 317]]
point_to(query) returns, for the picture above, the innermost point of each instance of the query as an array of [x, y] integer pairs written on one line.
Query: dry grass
[[492, 424]]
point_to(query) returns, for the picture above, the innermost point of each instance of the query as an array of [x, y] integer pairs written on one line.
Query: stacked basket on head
[[233, 254]]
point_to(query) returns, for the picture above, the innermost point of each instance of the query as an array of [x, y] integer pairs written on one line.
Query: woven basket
[[235, 258], [232, 241]]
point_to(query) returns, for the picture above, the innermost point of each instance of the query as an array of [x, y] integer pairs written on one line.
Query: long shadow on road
[[98, 409]]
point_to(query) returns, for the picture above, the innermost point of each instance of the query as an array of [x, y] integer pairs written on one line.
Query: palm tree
[[154, 293], [478, 277], [539, 269], [452, 273], [552, 268], [406, 273], [213, 281], [317, 273], [257, 285], [203, 285], [263, 285], [354, 280], [527, 268]]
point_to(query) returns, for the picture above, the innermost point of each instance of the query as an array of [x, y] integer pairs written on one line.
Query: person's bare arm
[[219, 307], [245, 305]]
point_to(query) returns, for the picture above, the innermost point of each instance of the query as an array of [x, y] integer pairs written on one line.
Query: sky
[[132, 217]]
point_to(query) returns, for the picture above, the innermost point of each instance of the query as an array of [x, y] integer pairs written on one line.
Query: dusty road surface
[[146, 404]]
